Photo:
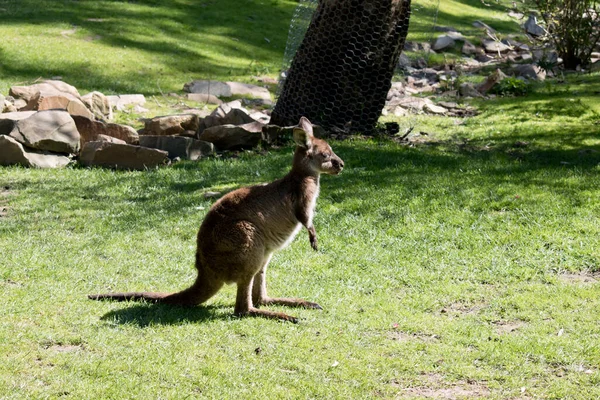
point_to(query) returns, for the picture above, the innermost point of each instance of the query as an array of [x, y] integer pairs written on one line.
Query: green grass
[[456, 265], [464, 265]]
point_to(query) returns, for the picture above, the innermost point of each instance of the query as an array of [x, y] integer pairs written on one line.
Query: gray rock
[[515, 14], [530, 71], [99, 105], [178, 146], [171, 124], [53, 131], [9, 119], [468, 90], [236, 117], [2, 100], [411, 103], [92, 131], [443, 42], [468, 48], [14, 153], [120, 102], [204, 98], [232, 137], [404, 61], [433, 109], [531, 26], [227, 89], [492, 46], [121, 156]]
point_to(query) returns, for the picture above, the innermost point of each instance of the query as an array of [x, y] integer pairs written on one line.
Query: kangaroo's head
[[313, 154]]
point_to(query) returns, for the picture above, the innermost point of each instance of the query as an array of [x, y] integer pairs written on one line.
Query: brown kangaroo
[[244, 228]]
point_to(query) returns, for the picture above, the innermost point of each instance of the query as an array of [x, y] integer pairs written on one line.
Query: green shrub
[[512, 86]]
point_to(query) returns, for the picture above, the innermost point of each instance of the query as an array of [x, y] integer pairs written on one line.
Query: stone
[[433, 109], [404, 61], [225, 108], [91, 131], [236, 117], [232, 137], [449, 104], [14, 153], [171, 124], [178, 146], [491, 81], [9, 119], [530, 71], [515, 14], [531, 26], [120, 102], [2, 100], [53, 131], [468, 90], [49, 86], [204, 98], [409, 102], [99, 105], [121, 156], [492, 46], [468, 48], [443, 42], [227, 89]]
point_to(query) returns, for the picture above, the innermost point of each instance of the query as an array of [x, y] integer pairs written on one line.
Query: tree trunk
[[342, 71]]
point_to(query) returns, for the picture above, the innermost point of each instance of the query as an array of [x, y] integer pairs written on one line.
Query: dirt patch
[[5, 193], [506, 327], [580, 278], [436, 388], [65, 348], [462, 309]]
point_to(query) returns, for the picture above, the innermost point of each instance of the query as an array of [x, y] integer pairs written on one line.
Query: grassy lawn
[[466, 266]]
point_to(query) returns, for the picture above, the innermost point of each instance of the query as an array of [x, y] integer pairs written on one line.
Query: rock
[[515, 14], [232, 137], [492, 46], [53, 131], [409, 102], [2, 100], [92, 131], [178, 146], [50, 86], [99, 105], [121, 156], [120, 102], [468, 48], [483, 25], [171, 124], [54, 100], [14, 153], [273, 133], [443, 42], [530, 71], [468, 90], [8, 120], [404, 61], [227, 89], [204, 98], [433, 109], [491, 81], [260, 117], [449, 104], [225, 108], [531, 26], [236, 117]]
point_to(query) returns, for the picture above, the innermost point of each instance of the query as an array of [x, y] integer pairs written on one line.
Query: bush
[[511, 87], [573, 27]]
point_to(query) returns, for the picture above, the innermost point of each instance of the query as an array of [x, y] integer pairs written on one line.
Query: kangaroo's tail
[[202, 290]]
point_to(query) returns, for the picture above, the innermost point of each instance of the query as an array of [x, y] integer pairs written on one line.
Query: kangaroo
[[245, 227]]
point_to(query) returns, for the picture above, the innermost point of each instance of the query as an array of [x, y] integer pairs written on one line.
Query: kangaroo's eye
[[326, 156]]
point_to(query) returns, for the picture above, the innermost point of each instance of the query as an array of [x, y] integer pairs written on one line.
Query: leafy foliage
[[512, 86], [573, 27]]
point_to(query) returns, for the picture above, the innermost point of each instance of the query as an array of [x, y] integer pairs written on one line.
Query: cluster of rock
[[48, 124], [421, 80]]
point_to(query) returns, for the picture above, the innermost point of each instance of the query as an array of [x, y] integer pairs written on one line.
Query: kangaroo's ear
[[303, 133]]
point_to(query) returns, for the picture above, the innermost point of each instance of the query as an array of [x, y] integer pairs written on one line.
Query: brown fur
[[245, 227]]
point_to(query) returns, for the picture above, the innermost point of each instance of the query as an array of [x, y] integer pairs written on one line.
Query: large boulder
[[8, 120], [531, 26], [227, 89], [178, 146], [530, 71], [443, 42], [171, 124], [53, 131], [92, 131], [121, 156], [232, 137], [14, 153], [493, 46], [28, 92], [99, 105]]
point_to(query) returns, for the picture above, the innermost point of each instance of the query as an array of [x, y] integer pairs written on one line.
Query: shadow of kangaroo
[[245, 227]]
